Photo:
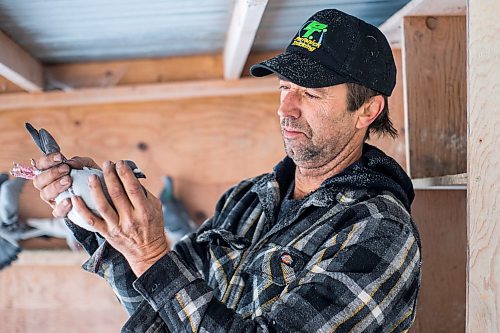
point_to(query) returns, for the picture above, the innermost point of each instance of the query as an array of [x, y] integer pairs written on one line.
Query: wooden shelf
[[449, 182], [44, 243]]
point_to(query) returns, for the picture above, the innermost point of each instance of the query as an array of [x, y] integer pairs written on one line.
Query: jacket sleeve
[[111, 265], [350, 284]]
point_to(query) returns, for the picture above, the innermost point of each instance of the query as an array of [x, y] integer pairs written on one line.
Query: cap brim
[[300, 70]]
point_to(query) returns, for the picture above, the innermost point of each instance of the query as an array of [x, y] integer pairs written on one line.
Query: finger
[[77, 162], [132, 186], [49, 176], [94, 221], [49, 160], [50, 192], [62, 209], [115, 190], [155, 202], [101, 203]]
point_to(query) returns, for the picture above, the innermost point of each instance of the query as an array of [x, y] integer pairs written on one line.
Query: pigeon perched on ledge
[[79, 187]]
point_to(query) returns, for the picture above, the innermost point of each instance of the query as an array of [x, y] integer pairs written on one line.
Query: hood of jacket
[[373, 171]]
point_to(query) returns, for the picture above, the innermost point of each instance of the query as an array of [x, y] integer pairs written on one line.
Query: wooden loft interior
[[167, 112]]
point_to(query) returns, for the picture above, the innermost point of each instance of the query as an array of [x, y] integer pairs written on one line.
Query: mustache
[[296, 125]]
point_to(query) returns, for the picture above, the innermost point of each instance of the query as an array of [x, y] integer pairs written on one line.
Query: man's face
[[315, 123]]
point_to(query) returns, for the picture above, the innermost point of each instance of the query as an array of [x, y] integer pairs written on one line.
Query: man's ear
[[369, 111]]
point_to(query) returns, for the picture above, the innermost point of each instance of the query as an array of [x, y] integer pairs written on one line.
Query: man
[[323, 243]]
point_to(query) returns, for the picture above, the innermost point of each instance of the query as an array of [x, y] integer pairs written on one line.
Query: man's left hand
[[134, 226]]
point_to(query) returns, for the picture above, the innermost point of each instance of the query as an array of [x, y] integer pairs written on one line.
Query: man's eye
[[284, 87], [308, 94]]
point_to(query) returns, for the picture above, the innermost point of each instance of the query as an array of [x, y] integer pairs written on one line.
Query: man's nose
[[290, 105]]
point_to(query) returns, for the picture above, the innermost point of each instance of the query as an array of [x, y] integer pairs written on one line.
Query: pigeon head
[[135, 169]]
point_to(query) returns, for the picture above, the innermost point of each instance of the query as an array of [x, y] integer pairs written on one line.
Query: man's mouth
[[291, 133]]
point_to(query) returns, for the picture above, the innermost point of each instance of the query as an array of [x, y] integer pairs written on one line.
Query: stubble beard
[[311, 151], [303, 150]]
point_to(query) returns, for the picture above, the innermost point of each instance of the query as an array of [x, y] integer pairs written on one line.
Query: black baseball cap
[[331, 48]]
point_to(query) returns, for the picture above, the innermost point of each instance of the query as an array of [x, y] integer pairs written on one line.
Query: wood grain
[[436, 83], [131, 72], [441, 220], [138, 93], [206, 144], [483, 298]]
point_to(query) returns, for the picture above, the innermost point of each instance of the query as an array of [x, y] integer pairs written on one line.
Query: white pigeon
[[79, 187]]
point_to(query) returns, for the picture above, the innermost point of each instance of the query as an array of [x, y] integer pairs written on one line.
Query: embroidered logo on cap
[[310, 36]]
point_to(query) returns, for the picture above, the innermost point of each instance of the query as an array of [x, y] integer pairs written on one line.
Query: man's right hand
[[55, 179]]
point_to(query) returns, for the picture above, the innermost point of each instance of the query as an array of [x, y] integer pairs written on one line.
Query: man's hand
[[55, 179], [134, 226]]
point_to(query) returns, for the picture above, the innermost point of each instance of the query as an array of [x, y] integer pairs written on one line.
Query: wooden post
[[483, 278], [435, 66]]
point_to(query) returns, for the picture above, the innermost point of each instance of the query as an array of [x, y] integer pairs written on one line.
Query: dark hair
[[357, 95]]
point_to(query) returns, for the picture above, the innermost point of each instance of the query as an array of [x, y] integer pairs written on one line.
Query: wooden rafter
[[18, 66], [241, 34]]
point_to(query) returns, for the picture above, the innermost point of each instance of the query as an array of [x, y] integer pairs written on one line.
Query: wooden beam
[[392, 27], [19, 67], [139, 93], [133, 72], [241, 34], [483, 278]]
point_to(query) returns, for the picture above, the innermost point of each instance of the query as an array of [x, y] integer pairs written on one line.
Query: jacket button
[[287, 259]]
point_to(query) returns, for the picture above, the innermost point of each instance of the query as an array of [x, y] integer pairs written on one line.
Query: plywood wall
[[205, 144]]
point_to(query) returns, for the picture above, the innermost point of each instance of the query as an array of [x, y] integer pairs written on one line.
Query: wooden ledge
[[50, 258], [139, 93], [450, 182]]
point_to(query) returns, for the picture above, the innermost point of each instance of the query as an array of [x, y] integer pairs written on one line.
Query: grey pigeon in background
[[175, 215], [8, 249], [79, 187], [10, 191], [8, 246]]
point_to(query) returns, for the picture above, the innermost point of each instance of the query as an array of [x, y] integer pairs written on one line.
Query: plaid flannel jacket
[[347, 261]]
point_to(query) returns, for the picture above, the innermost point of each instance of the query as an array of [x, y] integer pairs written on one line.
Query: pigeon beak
[[138, 173]]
